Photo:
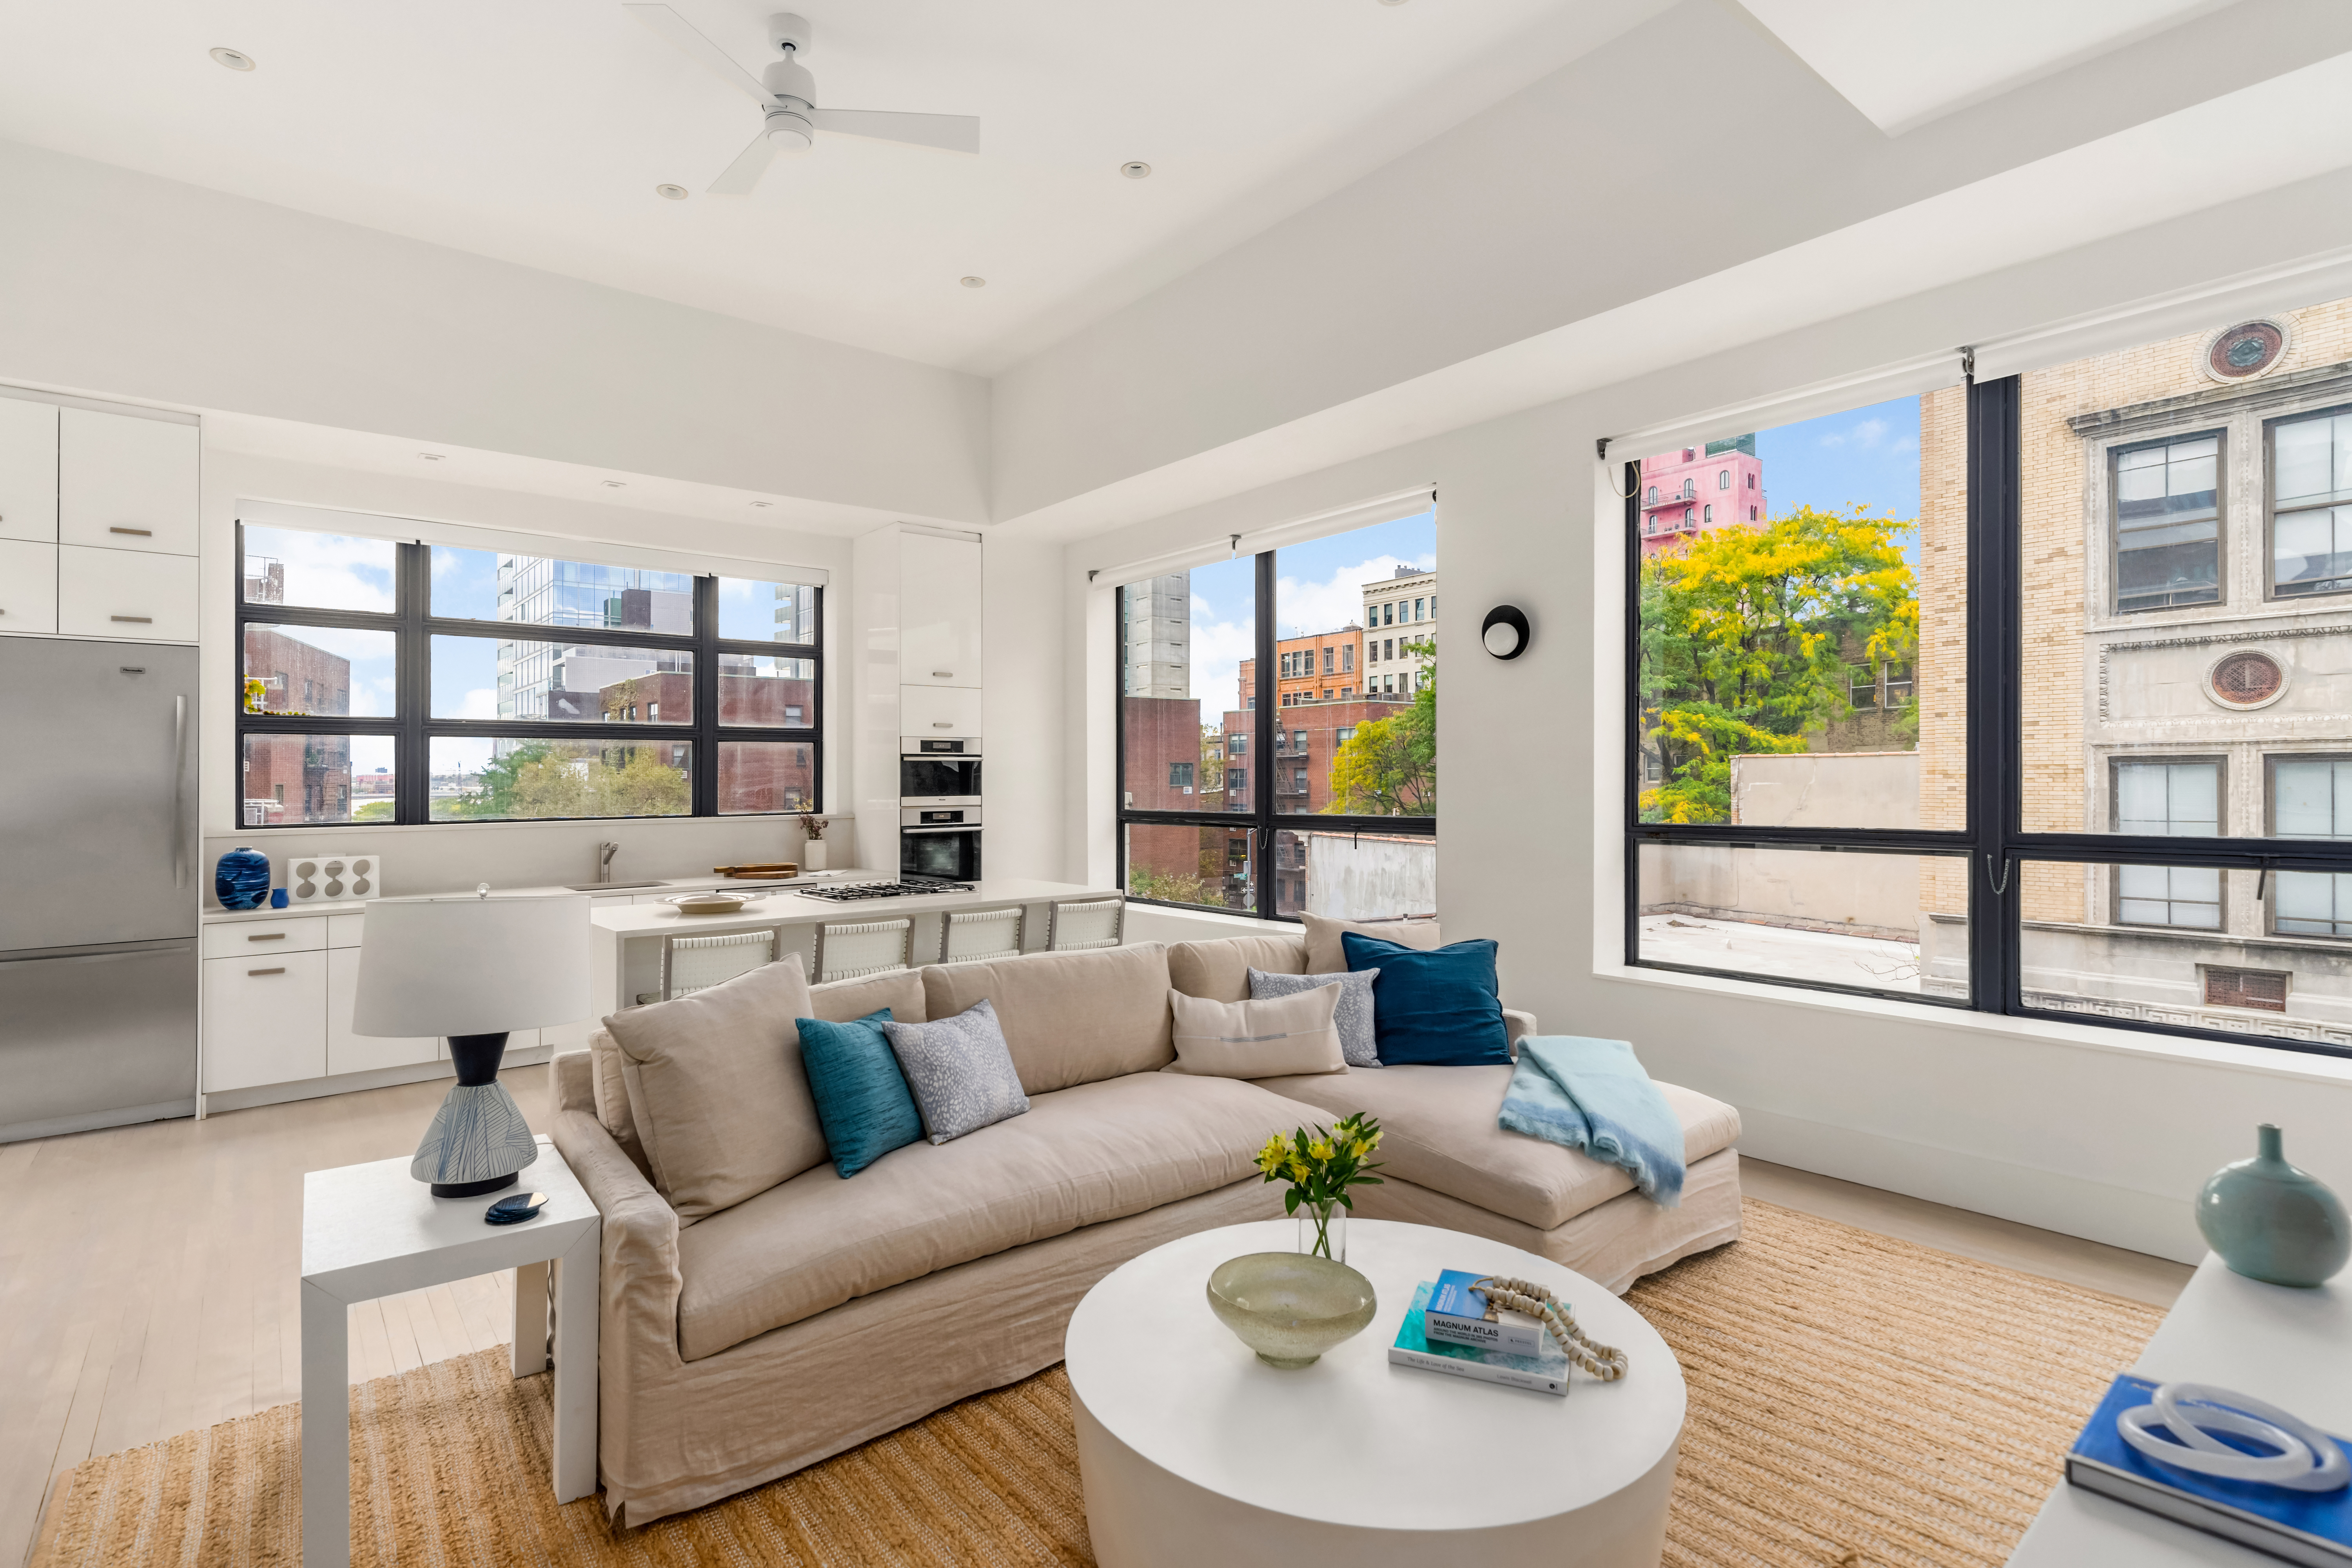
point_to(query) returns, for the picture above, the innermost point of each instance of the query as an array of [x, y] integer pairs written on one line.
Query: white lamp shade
[[472, 965]]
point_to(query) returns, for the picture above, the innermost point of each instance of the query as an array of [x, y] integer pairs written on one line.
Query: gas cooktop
[[857, 892]]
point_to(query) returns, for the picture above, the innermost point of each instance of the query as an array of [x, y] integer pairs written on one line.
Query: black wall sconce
[[1505, 631]]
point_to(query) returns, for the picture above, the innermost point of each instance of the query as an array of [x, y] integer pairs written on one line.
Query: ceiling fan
[[787, 92]]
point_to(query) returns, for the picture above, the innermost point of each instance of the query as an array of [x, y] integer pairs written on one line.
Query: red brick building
[[296, 778], [754, 776]]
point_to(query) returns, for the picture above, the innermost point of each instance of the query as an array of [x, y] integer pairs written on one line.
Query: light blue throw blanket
[[1593, 1096]]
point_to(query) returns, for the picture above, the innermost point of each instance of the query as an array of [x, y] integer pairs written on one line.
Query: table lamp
[[472, 967]]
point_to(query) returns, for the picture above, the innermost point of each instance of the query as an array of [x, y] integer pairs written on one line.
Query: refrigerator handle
[[179, 795]]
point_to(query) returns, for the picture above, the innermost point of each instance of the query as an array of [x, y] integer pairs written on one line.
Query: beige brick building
[[2187, 668]]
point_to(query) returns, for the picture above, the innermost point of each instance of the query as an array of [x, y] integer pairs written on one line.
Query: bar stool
[[691, 964], [848, 949], [967, 936], [1075, 923]]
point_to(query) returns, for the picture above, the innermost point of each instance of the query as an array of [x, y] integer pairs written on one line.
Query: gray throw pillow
[[1353, 1017], [961, 1071]]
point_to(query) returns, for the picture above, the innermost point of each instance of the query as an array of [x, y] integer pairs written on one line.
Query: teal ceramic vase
[[2271, 1222]]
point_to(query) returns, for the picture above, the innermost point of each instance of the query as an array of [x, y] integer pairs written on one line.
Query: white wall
[[117, 284], [1022, 771], [2091, 1132], [434, 858]]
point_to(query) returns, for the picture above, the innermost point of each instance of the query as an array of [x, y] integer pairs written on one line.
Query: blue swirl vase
[[241, 880], [2271, 1222]]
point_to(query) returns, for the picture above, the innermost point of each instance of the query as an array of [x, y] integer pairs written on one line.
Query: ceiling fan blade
[[741, 176], [955, 132], [699, 50]]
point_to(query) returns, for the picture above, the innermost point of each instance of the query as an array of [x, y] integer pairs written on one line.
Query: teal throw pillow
[[861, 1095], [1439, 1008]]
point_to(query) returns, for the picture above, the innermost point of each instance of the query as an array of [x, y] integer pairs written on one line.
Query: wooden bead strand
[[1604, 1362]]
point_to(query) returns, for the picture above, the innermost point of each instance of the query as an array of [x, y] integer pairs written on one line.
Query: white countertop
[[658, 888], [636, 920]]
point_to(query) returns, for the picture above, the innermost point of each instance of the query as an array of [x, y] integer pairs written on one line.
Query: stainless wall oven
[[930, 778], [939, 841]]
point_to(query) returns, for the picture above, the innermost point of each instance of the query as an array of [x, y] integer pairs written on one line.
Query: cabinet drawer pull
[[942, 723], [141, 620], [273, 936], [136, 533], [279, 970], [942, 674]]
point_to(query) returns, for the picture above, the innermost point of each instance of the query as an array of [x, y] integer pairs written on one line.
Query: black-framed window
[[2046, 828], [1273, 804], [397, 683], [2310, 491]]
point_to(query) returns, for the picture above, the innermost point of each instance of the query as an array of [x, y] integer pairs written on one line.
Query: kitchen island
[[626, 951]]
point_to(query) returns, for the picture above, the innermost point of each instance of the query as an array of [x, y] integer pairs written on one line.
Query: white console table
[[2293, 1348], [374, 1230]]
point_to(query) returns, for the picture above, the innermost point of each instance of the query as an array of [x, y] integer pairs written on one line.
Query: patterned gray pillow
[[961, 1071], [1353, 1015]]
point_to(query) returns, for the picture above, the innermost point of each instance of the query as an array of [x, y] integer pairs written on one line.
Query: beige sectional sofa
[[821, 1313]]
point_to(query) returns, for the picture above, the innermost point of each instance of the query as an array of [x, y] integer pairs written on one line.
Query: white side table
[[374, 1230], [2293, 1348], [1194, 1451]]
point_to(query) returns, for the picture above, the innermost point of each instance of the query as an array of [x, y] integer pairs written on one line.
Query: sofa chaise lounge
[[821, 1313]]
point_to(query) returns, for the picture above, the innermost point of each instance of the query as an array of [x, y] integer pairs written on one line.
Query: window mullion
[[412, 760], [1269, 723], [704, 784]]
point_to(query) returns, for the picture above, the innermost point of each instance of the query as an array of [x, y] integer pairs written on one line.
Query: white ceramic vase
[[813, 854]]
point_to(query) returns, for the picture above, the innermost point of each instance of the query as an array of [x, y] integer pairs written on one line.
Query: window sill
[[2306, 1067]]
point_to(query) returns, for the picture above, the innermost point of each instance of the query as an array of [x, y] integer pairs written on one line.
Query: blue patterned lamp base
[[479, 1140]]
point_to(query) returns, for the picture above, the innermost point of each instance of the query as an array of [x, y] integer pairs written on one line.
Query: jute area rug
[[1855, 1402]]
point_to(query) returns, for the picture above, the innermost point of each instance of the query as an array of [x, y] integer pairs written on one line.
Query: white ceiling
[[1905, 63], [534, 130]]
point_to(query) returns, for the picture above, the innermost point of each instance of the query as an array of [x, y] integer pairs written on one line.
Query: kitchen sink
[[611, 886]]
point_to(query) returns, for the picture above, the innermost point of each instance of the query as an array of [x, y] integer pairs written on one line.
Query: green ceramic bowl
[[1288, 1307]]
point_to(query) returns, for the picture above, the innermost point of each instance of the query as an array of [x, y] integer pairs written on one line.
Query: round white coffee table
[[1193, 1450]]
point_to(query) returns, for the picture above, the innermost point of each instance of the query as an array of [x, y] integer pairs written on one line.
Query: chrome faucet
[[604, 861]]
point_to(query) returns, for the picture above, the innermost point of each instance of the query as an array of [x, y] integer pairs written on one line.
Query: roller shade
[[464, 536], [1273, 536], [1907, 379]]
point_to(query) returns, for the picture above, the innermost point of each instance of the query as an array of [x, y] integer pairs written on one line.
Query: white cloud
[[481, 703], [328, 570], [1302, 609], [1864, 432]]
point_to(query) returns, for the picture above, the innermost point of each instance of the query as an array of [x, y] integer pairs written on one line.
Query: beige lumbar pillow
[[716, 1089], [1269, 1038], [1324, 954]]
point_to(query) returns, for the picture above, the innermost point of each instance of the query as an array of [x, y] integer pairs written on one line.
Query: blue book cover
[[1461, 1315], [1547, 1373], [2302, 1527]]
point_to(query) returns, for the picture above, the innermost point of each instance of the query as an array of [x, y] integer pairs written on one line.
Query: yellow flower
[[1298, 1169], [1360, 1148], [1318, 1149]]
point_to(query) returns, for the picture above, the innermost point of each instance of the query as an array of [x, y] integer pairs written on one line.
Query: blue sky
[[1866, 455]]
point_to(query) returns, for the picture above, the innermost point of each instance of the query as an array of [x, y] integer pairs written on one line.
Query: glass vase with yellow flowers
[[1320, 1165]]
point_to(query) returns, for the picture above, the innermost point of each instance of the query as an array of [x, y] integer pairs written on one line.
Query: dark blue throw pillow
[[1439, 1008], [862, 1101]]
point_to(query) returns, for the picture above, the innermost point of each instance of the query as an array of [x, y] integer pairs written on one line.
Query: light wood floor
[[149, 1275], [150, 1280]]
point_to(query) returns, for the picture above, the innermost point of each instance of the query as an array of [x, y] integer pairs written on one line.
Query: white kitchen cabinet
[[348, 1052], [265, 1020], [125, 595], [938, 611], [248, 939], [29, 470], [28, 588], [125, 482], [927, 710]]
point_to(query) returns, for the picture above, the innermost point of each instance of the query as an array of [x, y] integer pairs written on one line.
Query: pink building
[[1686, 492]]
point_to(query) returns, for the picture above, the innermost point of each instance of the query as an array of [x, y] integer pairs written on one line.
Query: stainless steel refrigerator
[[98, 884]]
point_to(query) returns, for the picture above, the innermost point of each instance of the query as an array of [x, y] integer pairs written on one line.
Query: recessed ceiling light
[[430, 457], [1136, 171], [763, 504], [234, 59], [614, 484], [975, 282], [670, 192], [1391, 1]]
